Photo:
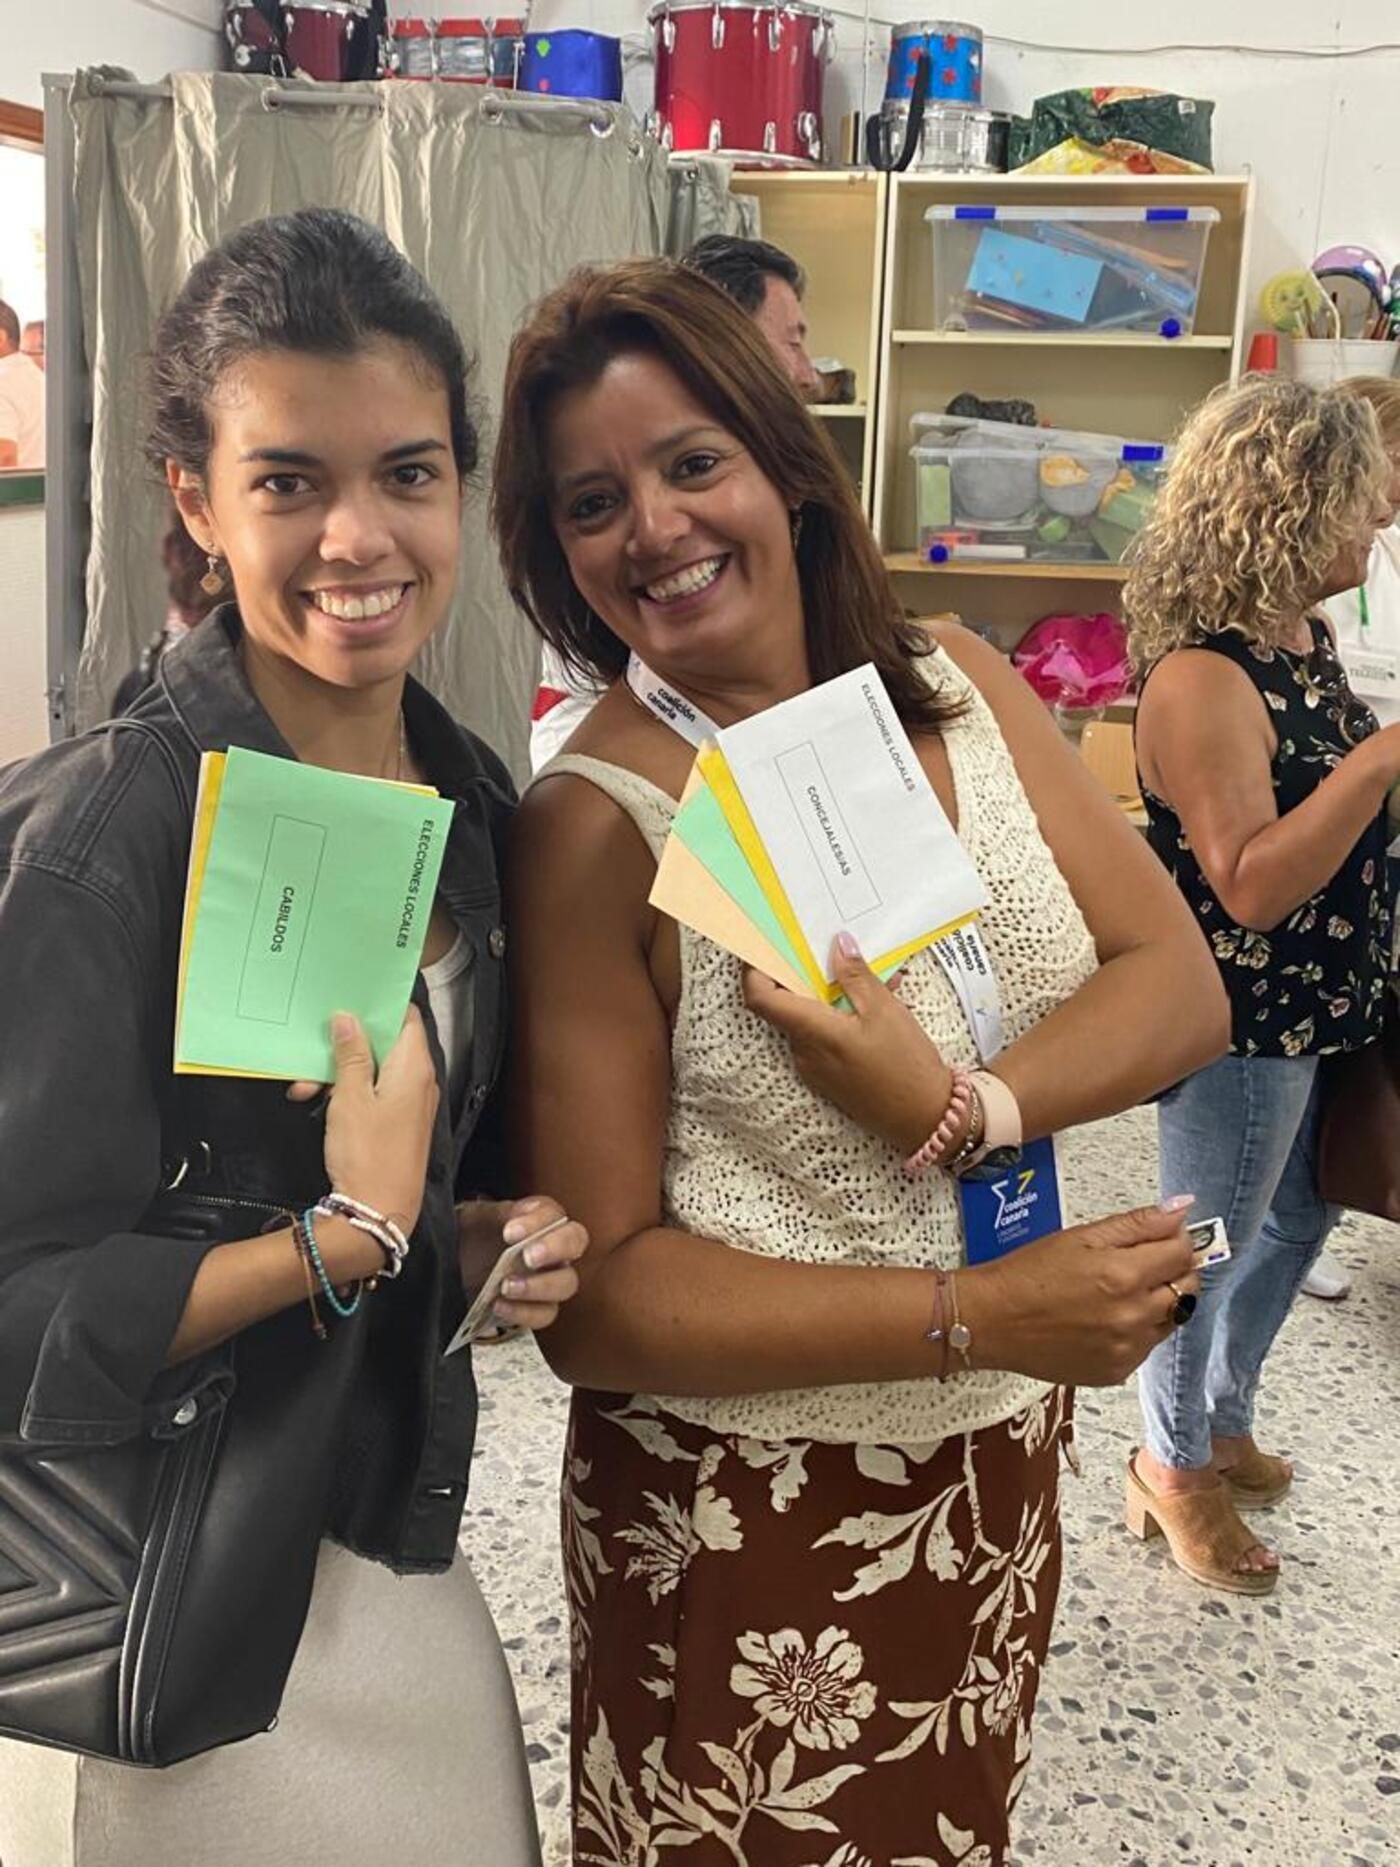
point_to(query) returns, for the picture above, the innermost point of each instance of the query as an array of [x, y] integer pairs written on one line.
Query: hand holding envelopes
[[811, 819], [309, 892]]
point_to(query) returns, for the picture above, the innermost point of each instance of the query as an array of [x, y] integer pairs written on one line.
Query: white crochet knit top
[[756, 1160]]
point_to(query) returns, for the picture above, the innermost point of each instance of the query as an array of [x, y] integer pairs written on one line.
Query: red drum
[[464, 51], [745, 81], [411, 53], [252, 39], [326, 39]]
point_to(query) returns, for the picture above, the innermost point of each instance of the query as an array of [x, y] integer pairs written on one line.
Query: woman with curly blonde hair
[[1265, 780]]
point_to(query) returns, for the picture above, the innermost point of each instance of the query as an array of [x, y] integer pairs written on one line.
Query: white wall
[[23, 715], [148, 37]]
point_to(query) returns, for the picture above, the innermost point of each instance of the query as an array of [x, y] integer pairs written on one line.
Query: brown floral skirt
[[804, 1655]]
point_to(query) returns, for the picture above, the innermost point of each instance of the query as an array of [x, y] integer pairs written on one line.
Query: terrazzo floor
[[1174, 1726]]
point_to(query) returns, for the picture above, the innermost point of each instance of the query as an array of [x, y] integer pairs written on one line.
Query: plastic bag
[[1073, 157], [1161, 122], [1076, 661]]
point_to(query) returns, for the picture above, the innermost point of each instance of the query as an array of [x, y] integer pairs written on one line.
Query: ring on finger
[[1184, 1308]]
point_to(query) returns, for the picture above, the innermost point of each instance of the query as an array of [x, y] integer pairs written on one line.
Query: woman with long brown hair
[[811, 1582]]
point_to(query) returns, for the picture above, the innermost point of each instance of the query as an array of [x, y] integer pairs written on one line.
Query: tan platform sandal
[[1257, 1479], [1203, 1532]]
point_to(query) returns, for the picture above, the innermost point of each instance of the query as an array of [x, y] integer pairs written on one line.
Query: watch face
[[993, 1165]]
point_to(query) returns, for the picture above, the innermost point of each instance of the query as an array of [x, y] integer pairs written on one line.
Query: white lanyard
[[962, 954], [967, 965], [671, 708]]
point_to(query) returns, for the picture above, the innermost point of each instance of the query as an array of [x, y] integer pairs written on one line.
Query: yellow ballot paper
[[704, 882], [827, 799], [309, 892]]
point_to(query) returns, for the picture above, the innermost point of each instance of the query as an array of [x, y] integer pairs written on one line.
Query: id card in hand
[[1014, 1205], [509, 1264]]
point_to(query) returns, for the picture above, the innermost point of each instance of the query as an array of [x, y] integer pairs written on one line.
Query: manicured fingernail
[[1178, 1202], [516, 1230], [342, 1026], [514, 1287], [535, 1256], [848, 946]]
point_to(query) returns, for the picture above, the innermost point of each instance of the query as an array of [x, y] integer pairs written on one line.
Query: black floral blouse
[[1315, 983]]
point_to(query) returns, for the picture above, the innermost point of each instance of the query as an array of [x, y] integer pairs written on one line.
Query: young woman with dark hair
[[310, 416], [811, 1583]]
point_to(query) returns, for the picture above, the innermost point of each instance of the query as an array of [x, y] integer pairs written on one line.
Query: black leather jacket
[[94, 841]]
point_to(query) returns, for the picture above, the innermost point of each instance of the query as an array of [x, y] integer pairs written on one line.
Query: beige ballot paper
[[833, 809]]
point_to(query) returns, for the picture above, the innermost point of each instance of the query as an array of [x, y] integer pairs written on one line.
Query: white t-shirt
[[1367, 622], [562, 702], [22, 407]]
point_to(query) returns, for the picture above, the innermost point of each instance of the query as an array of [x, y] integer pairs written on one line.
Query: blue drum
[[573, 64], [955, 61]]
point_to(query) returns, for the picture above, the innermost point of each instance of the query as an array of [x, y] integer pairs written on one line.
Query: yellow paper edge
[[768, 959], [897, 955], [720, 779], [206, 808], [755, 950]]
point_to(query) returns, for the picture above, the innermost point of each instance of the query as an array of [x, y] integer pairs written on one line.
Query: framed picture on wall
[[22, 345]]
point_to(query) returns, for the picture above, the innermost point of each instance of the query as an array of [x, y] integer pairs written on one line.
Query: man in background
[[32, 342], [767, 283], [21, 399]]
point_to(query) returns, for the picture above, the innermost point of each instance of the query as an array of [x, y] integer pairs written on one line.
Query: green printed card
[[309, 892]]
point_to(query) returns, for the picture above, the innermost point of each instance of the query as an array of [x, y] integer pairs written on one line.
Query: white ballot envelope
[[841, 825]]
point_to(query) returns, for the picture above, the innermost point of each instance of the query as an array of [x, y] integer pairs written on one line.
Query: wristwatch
[[1002, 1132]]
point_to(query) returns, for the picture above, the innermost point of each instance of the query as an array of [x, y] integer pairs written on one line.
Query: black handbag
[[153, 1593]]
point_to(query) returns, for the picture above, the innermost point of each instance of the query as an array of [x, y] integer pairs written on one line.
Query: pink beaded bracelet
[[958, 1111]]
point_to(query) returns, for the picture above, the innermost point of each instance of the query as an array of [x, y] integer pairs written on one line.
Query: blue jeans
[[1242, 1136]]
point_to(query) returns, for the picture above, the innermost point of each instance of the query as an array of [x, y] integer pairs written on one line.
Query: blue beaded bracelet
[[307, 1229]]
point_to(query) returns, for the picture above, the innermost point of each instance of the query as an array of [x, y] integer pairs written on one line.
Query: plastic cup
[[1263, 352]]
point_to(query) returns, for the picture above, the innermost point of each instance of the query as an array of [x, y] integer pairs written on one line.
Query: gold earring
[[212, 582]]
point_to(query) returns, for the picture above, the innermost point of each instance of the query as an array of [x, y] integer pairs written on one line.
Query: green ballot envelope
[[309, 892]]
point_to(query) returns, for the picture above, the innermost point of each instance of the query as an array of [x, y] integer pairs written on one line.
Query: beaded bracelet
[[306, 1235], [932, 1151], [386, 1234], [972, 1148]]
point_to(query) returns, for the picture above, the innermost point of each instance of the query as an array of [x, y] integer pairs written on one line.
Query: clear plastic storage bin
[[1093, 270], [991, 490]]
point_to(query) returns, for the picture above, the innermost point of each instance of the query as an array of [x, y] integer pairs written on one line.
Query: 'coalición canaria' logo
[[1013, 1207]]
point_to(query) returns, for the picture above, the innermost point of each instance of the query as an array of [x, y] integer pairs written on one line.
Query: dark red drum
[[252, 39], [745, 81], [327, 39]]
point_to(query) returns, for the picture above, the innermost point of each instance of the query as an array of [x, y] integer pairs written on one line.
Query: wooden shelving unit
[[864, 244], [832, 221], [1135, 385], [910, 564]]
